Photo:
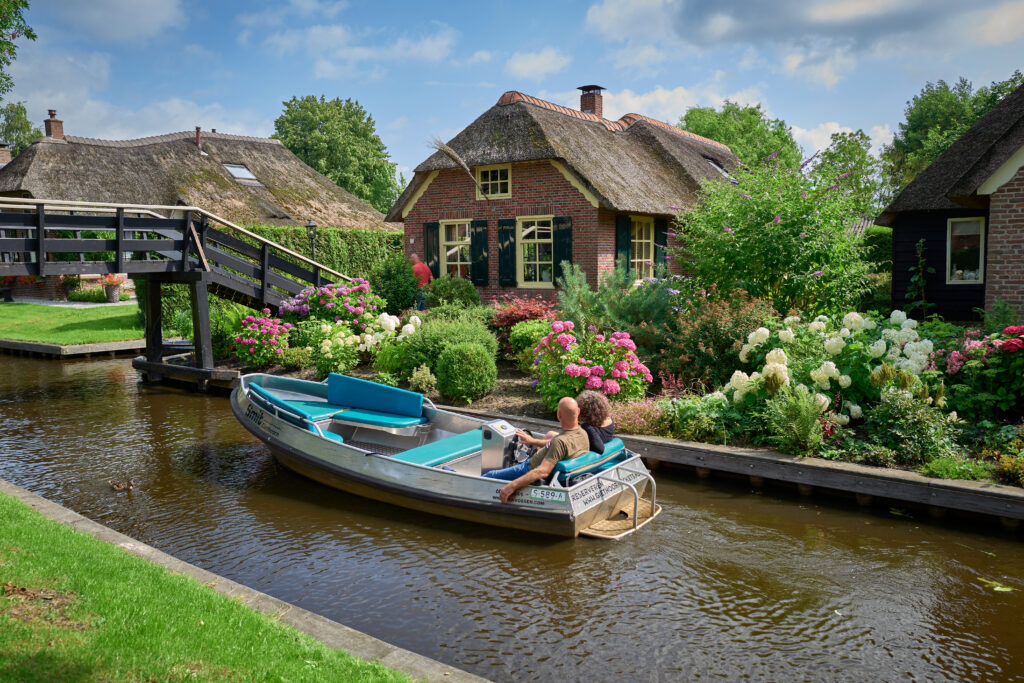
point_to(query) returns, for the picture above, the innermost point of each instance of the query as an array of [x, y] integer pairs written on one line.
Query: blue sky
[[129, 68]]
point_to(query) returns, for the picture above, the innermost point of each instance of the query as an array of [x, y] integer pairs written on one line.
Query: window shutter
[[507, 252], [561, 246], [432, 247], [623, 237], [478, 253], [660, 240]]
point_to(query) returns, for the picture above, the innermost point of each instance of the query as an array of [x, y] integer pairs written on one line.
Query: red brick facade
[[1004, 262], [538, 189]]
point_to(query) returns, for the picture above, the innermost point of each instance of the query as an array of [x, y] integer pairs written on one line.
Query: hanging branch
[[443, 148]]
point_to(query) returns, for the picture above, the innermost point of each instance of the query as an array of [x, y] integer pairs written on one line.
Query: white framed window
[[455, 255], [535, 252], [965, 251], [242, 174], [641, 246], [494, 181]]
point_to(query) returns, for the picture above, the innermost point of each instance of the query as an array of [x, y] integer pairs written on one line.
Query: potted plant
[[68, 283], [112, 285]]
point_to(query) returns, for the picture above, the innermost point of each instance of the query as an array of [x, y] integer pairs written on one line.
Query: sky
[[119, 69]]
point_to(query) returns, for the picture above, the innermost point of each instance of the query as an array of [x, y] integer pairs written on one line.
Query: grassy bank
[[67, 326], [75, 608]]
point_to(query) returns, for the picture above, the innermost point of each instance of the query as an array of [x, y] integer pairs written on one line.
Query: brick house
[[540, 184], [968, 206]]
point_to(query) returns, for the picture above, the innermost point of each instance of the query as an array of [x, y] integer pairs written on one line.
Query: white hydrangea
[[776, 356], [778, 370], [853, 321], [738, 380], [916, 348], [325, 328], [823, 401], [897, 317], [388, 322], [842, 419], [791, 319], [844, 332], [909, 324], [787, 336], [407, 329], [822, 319], [830, 369], [758, 336], [856, 412], [745, 353], [714, 396], [845, 381], [869, 324], [816, 326], [415, 320], [834, 345], [877, 349]]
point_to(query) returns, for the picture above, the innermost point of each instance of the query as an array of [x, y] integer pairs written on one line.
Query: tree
[[748, 132], [935, 118], [848, 161], [15, 128], [12, 27], [338, 138]]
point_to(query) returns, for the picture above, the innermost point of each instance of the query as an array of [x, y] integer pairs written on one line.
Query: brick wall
[[1004, 268], [538, 189]]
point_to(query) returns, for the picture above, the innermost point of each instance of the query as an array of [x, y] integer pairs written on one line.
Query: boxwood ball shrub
[[454, 290], [394, 280], [435, 336], [465, 372]]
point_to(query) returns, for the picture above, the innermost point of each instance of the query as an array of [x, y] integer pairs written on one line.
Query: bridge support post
[[154, 327], [198, 292]]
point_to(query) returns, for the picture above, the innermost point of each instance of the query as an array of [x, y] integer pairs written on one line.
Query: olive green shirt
[[569, 443]]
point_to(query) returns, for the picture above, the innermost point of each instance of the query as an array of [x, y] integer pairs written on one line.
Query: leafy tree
[[748, 132], [935, 118], [15, 128], [848, 158], [12, 27], [338, 138]]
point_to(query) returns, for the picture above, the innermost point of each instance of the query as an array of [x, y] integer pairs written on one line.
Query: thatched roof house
[[244, 179], [968, 206], [614, 185]]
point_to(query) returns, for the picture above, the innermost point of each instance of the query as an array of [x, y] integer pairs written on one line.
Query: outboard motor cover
[[498, 439]]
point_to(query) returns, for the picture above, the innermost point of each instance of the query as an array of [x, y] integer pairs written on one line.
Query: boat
[[393, 445]]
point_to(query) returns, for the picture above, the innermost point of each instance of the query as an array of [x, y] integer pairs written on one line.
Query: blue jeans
[[510, 473], [421, 300]]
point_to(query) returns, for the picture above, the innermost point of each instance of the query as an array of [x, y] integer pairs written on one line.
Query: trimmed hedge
[[351, 252]]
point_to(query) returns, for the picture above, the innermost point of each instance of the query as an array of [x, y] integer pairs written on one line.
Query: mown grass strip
[[75, 608], [68, 326]]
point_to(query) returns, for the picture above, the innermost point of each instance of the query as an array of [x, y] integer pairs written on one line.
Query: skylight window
[[715, 165], [242, 174]]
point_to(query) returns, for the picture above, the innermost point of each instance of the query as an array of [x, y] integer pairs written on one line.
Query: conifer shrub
[[394, 280]]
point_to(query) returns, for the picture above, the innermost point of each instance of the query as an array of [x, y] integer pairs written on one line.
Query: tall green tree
[[849, 163], [12, 27], [15, 128], [748, 132], [934, 119], [338, 138]]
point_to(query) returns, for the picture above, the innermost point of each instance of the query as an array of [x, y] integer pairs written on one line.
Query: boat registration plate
[[546, 494]]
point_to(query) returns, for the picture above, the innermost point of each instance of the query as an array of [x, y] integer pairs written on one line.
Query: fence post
[[41, 239], [199, 295], [119, 239], [186, 244], [264, 275]]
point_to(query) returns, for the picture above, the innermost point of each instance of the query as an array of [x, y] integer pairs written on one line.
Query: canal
[[727, 583]]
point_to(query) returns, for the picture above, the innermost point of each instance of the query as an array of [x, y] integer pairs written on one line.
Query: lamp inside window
[[966, 251]]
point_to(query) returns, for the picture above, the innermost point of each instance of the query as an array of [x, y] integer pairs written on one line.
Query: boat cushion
[[439, 452], [327, 434], [320, 410], [591, 462], [377, 418], [360, 393]]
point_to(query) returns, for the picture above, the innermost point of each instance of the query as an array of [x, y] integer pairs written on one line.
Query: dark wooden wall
[[953, 302]]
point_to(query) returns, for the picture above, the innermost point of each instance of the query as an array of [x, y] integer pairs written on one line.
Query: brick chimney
[[199, 138], [5, 153], [54, 126], [590, 100]]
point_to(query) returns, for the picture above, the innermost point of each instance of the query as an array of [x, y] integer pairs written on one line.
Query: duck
[[123, 485]]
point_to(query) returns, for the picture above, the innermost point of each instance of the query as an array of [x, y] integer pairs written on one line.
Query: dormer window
[[242, 174]]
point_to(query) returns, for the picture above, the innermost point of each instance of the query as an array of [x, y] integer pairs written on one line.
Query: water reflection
[[726, 584]]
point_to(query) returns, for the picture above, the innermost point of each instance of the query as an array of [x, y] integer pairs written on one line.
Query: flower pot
[[113, 293]]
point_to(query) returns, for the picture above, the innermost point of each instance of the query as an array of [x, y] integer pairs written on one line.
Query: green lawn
[[68, 326], [73, 608]]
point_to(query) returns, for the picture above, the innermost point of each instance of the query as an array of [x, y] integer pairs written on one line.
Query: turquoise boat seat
[[324, 410], [353, 392], [376, 418], [591, 462], [311, 410], [439, 452]]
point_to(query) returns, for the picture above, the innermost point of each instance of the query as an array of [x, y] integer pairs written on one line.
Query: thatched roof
[[169, 169], [953, 179], [635, 164]]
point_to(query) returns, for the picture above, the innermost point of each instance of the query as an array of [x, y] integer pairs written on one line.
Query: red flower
[[1013, 345], [1014, 330]]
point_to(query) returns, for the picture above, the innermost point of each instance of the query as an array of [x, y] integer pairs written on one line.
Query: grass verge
[[68, 326], [75, 608]]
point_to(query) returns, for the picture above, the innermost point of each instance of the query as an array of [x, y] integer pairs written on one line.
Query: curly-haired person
[[595, 419]]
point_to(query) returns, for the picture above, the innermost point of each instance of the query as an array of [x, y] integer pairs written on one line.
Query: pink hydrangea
[[599, 337], [610, 387], [557, 327], [597, 371], [594, 383]]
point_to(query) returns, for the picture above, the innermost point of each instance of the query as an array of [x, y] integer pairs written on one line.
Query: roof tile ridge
[[513, 96], [631, 118], [165, 137]]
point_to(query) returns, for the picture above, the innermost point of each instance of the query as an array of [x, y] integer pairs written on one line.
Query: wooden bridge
[[160, 245]]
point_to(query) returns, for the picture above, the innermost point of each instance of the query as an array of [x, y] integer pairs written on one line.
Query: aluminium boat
[[395, 446]]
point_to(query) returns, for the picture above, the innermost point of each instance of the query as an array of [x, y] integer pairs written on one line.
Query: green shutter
[[660, 240], [507, 252], [478, 253], [623, 239], [561, 243], [432, 247]]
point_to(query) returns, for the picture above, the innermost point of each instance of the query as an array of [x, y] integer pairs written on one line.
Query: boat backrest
[[591, 461], [353, 392]]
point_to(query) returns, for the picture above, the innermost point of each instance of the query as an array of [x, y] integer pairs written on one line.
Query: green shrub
[[386, 378], [877, 242], [1010, 469], [425, 347], [956, 468], [423, 380], [353, 252], [297, 358], [465, 372], [639, 416], [95, 295], [524, 337], [305, 333], [793, 419], [454, 290], [699, 418], [456, 311], [394, 280], [225, 322], [390, 358], [915, 430], [871, 454]]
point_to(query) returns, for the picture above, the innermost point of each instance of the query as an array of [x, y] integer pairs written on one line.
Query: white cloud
[[880, 137], [536, 65], [647, 20], [844, 10], [1001, 25], [816, 139], [480, 57], [638, 56], [825, 66], [121, 21]]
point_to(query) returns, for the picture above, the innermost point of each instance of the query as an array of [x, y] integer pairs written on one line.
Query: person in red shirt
[[423, 274]]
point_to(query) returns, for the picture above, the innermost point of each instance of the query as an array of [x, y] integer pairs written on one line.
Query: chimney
[[590, 100], [54, 126], [199, 138], [5, 153]]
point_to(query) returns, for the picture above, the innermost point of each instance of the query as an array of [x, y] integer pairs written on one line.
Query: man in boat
[[570, 442]]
